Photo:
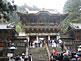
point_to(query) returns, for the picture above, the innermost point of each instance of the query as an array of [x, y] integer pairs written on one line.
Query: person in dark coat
[[56, 41], [30, 57], [17, 58], [52, 58], [65, 58], [62, 46], [61, 57]]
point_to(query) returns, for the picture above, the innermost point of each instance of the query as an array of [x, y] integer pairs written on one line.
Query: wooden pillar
[[76, 43], [75, 37], [37, 38]]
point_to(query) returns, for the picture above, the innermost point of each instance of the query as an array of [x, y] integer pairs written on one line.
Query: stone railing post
[[48, 51]]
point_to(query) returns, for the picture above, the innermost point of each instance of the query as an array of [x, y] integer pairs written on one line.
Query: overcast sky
[[52, 4]]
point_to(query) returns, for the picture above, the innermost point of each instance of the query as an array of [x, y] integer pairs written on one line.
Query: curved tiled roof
[[75, 25]]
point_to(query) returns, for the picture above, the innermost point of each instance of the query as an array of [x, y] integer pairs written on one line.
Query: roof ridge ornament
[[11, 25]]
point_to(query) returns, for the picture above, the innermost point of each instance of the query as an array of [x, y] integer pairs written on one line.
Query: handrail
[[27, 49], [48, 51]]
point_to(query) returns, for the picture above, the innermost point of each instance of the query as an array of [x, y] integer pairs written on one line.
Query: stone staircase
[[58, 49], [39, 54]]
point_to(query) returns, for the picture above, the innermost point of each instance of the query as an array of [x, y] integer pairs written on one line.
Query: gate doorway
[[52, 37]]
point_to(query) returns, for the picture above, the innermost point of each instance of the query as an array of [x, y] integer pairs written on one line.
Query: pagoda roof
[[41, 17], [43, 12], [73, 27], [7, 28]]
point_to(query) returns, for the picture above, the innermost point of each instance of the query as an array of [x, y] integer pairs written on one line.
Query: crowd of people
[[36, 43], [65, 56], [23, 57]]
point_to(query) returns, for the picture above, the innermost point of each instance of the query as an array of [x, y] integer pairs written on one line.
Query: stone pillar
[[58, 37], [48, 37], [28, 38], [48, 40], [27, 45]]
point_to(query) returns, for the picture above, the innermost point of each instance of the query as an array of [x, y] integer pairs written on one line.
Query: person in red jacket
[[54, 51]]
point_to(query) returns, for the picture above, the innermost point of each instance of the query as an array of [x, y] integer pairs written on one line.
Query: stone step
[[39, 54]]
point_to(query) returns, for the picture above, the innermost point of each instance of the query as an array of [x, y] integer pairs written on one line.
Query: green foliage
[[19, 27], [8, 14], [72, 7], [14, 17], [5, 9], [23, 8]]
